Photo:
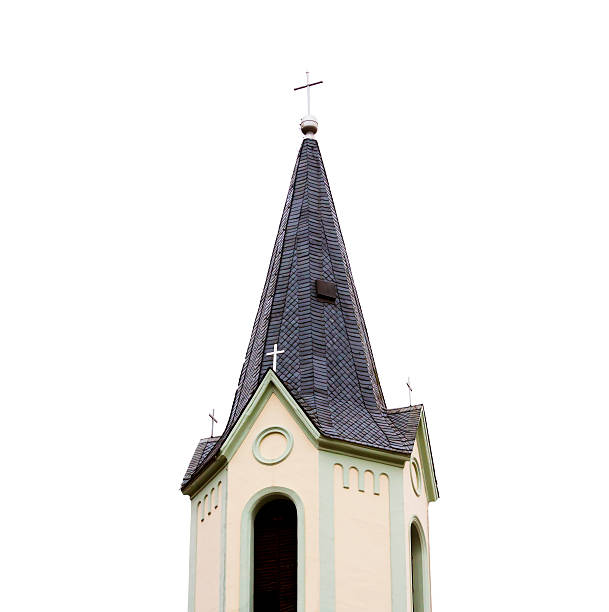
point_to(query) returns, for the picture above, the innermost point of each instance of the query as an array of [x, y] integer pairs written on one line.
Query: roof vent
[[326, 290]]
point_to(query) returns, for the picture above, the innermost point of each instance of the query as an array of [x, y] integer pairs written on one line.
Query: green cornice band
[[362, 452]]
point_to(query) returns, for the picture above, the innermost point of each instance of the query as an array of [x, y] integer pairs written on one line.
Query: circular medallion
[[273, 445], [415, 475]]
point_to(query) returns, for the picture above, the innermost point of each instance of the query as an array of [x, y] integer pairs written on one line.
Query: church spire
[[310, 314], [311, 459], [310, 310]]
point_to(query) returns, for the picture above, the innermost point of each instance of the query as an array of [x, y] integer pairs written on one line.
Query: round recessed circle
[[273, 445], [415, 475]]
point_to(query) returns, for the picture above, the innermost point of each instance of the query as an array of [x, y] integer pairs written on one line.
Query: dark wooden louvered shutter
[[275, 557]]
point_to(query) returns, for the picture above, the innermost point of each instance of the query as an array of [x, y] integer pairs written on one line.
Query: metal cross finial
[[409, 391], [308, 86], [213, 420], [274, 353]]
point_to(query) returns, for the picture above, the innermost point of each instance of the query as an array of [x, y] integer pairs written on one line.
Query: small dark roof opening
[[326, 290]]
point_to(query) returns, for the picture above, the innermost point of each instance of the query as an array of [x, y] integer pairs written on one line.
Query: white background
[[146, 150]]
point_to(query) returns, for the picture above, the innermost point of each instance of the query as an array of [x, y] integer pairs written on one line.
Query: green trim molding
[[399, 566], [246, 570], [270, 384], [327, 594], [224, 510], [415, 476], [363, 452], [192, 559], [429, 477], [289, 438]]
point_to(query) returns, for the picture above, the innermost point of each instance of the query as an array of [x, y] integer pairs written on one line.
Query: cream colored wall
[[361, 543], [299, 472], [208, 562], [415, 506]]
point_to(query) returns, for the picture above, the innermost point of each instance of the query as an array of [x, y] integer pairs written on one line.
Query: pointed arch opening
[[419, 569]]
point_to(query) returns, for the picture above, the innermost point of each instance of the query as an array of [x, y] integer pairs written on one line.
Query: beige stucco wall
[[361, 543], [246, 477], [208, 562]]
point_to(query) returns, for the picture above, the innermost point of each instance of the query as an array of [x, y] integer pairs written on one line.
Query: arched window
[[275, 557], [418, 565]]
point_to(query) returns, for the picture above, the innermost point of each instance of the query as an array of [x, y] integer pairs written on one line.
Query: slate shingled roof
[[327, 365], [407, 421], [201, 453]]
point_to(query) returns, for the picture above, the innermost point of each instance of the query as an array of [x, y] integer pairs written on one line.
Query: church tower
[[315, 496]]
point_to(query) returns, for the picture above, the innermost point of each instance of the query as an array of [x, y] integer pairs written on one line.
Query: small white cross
[[409, 391], [274, 353], [213, 420]]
